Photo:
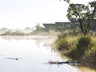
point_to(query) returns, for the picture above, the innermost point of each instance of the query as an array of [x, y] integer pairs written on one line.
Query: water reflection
[[30, 54]]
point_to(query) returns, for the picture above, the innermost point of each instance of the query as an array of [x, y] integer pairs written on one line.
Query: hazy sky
[[22, 13]]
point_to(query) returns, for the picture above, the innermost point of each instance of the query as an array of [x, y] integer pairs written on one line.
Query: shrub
[[82, 45], [62, 44], [82, 49], [65, 43], [89, 57]]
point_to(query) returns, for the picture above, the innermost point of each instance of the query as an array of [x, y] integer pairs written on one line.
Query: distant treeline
[[26, 31]]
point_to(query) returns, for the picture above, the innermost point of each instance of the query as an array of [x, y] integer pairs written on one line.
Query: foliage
[[62, 43], [83, 44], [65, 42], [39, 28], [13, 33], [81, 49], [83, 14]]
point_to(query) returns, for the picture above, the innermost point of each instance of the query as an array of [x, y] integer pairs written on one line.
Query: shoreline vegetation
[[28, 31], [81, 49]]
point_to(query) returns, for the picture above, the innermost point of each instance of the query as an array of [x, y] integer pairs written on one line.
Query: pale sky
[[27, 13]]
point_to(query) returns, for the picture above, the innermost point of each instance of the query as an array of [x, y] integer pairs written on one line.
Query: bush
[[89, 57], [82, 49], [82, 45], [64, 42]]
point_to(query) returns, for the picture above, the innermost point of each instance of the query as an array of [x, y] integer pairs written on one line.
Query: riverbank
[[46, 39], [85, 69], [78, 48]]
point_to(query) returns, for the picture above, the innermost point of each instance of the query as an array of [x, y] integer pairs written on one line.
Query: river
[[30, 54]]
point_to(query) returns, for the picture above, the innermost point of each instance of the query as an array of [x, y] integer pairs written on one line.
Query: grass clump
[[64, 43], [83, 44], [81, 49]]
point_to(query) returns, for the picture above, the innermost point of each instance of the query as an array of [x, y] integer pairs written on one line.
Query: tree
[[39, 28], [83, 14]]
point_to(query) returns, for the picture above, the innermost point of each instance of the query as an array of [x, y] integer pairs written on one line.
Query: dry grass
[[86, 69], [80, 49]]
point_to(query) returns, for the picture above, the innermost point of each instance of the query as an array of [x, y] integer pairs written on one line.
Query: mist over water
[[33, 53]]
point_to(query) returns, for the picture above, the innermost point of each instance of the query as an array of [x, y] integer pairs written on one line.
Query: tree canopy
[[84, 14]]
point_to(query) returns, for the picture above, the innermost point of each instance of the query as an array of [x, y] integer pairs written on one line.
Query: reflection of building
[[66, 25]]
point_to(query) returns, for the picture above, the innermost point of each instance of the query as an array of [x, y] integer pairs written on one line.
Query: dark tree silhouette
[[83, 14]]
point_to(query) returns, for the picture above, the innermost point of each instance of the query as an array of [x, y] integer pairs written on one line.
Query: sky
[[28, 13]]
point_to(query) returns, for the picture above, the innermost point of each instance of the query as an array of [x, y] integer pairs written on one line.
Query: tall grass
[[65, 42], [81, 49]]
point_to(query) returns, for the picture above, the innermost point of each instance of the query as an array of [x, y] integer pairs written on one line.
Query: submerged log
[[65, 62]]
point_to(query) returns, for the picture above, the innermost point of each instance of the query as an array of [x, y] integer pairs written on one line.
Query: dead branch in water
[[65, 62]]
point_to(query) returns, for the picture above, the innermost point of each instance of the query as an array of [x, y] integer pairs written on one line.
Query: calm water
[[33, 54]]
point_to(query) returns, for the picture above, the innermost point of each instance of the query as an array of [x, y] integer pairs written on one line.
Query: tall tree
[[83, 14]]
